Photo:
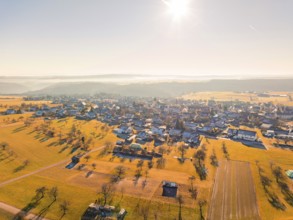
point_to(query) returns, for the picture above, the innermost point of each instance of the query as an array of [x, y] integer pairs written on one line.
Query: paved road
[[44, 168]]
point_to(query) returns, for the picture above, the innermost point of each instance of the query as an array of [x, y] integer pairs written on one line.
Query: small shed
[[75, 159], [169, 189], [290, 173]]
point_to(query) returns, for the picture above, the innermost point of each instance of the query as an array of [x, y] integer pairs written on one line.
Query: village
[[143, 126], [171, 120]]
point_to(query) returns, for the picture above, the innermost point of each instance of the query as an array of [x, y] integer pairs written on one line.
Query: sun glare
[[178, 8]]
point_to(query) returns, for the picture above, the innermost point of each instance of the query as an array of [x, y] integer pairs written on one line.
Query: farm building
[[169, 189], [95, 211], [242, 134], [247, 135], [135, 147]]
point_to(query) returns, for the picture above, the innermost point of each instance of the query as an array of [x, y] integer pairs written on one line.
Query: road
[[13, 210], [44, 168]]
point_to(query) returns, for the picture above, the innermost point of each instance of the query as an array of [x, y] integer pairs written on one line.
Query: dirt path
[[14, 211], [44, 168]]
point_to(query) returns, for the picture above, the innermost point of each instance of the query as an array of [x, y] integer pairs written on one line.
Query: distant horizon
[[106, 75]]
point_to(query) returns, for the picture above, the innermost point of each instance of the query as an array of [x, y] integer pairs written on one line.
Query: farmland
[[233, 194], [79, 186], [276, 97]]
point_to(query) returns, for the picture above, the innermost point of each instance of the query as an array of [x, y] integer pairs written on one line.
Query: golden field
[[75, 186], [244, 97]]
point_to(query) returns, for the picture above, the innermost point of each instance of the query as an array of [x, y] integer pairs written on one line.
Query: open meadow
[[283, 98]]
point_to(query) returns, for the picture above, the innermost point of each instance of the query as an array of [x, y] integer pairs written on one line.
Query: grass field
[[244, 97], [283, 158], [233, 193], [80, 190], [12, 101], [71, 181], [80, 197], [5, 215]]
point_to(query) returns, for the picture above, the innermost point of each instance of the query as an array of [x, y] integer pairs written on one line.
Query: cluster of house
[[169, 120], [241, 134], [96, 211], [134, 150]]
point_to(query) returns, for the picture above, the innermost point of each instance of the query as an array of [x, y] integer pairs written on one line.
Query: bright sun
[[178, 8]]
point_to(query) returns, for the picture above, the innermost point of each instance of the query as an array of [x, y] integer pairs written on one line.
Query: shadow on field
[[44, 139], [44, 211], [272, 197], [53, 144], [35, 201], [89, 173], [22, 166], [63, 149], [31, 132], [73, 150], [16, 130], [38, 136], [3, 157], [19, 168]]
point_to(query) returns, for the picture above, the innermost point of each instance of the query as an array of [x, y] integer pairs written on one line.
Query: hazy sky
[[231, 37]]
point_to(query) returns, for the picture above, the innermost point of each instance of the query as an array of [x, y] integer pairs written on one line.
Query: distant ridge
[[166, 89], [12, 88]]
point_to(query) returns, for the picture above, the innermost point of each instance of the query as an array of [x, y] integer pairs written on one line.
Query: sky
[[157, 37]]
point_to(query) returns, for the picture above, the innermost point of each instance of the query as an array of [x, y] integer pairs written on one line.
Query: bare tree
[[180, 202], [266, 182], [94, 166], [277, 171], [201, 204], [150, 164], [140, 163], [192, 189], [162, 150], [64, 207], [87, 157], [200, 156], [107, 192], [203, 146], [4, 145], [214, 159], [182, 151], [40, 192], [161, 163], [54, 193], [26, 163], [119, 174], [144, 210], [225, 151]]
